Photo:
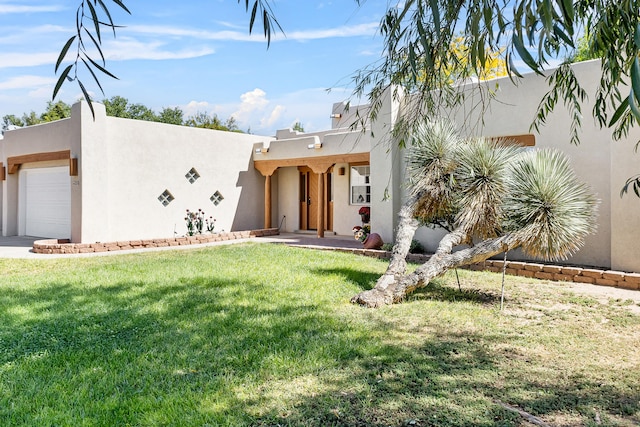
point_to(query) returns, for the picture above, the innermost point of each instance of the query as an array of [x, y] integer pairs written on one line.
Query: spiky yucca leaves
[[482, 176], [548, 207], [430, 168]]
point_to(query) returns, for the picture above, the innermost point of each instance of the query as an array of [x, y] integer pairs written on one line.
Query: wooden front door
[[310, 199]]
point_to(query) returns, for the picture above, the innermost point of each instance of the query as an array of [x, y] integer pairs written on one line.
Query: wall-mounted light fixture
[[336, 116]]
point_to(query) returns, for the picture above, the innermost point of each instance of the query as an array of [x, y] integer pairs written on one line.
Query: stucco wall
[[145, 159], [287, 199], [386, 170]]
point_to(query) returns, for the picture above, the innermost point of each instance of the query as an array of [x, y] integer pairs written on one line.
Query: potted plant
[[369, 240], [365, 214]]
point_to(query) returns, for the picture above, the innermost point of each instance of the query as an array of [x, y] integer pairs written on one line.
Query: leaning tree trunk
[[407, 226], [444, 259]]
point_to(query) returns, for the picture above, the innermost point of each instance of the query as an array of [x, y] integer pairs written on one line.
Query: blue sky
[[199, 56]]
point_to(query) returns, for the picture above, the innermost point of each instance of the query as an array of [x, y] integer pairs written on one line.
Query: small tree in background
[[491, 197], [297, 126]]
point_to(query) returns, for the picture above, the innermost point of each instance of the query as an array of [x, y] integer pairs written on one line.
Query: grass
[[264, 335]]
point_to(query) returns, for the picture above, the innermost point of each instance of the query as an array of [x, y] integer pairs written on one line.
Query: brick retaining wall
[[551, 272], [54, 246]]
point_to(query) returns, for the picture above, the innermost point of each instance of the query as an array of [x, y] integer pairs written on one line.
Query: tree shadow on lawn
[[364, 279], [438, 289], [453, 380], [201, 350], [134, 353]]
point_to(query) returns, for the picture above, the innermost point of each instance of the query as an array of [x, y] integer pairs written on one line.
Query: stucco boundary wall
[[556, 273], [59, 247]]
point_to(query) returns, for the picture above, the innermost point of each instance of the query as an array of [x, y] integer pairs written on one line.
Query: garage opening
[[45, 202]]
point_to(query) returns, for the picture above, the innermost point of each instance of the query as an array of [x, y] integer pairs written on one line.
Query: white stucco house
[[108, 179]]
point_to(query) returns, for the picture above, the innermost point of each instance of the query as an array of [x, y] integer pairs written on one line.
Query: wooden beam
[[525, 140], [3, 172], [265, 169], [16, 161], [317, 163]]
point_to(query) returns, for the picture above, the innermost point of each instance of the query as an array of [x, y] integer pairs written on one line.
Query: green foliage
[[419, 35], [58, 111], [548, 206], [172, 116], [585, 50], [54, 111], [118, 106], [297, 126], [387, 247], [416, 247], [206, 121], [486, 188], [11, 120]]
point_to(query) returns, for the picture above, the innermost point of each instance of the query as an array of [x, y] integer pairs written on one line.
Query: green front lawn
[[260, 334]]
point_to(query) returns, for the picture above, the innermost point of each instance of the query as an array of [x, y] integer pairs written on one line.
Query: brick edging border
[[556, 273], [59, 247]]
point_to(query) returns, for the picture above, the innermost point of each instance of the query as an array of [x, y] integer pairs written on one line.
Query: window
[[165, 198], [216, 198], [192, 176], [360, 185]]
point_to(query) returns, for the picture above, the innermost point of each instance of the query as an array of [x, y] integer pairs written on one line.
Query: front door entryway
[[310, 199]]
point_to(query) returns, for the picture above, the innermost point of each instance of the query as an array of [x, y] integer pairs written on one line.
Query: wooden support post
[[321, 205], [267, 201]]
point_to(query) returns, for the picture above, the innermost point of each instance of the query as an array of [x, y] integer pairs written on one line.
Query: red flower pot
[[373, 241]]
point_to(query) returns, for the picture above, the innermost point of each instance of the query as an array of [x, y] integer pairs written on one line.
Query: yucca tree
[[491, 196]]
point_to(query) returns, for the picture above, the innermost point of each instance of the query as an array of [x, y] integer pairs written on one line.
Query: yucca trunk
[[407, 226], [392, 291]]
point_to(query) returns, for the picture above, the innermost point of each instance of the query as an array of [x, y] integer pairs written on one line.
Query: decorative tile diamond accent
[[192, 176], [165, 198], [216, 198]]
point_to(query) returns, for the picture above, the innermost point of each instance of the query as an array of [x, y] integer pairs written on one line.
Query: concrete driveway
[[17, 247]]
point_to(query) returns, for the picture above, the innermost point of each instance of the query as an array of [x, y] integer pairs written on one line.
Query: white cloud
[[15, 8], [251, 102], [194, 107], [26, 82], [28, 59], [368, 29], [129, 49], [43, 92], [163, 30], [122, 49], [19, 36], [343, 31], [255, 110], [273, 118]]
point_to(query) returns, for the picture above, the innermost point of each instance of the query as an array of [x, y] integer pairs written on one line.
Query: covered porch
[[316, 195]]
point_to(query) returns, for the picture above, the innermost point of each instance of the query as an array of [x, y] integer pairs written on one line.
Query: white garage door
[[47, 202]]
